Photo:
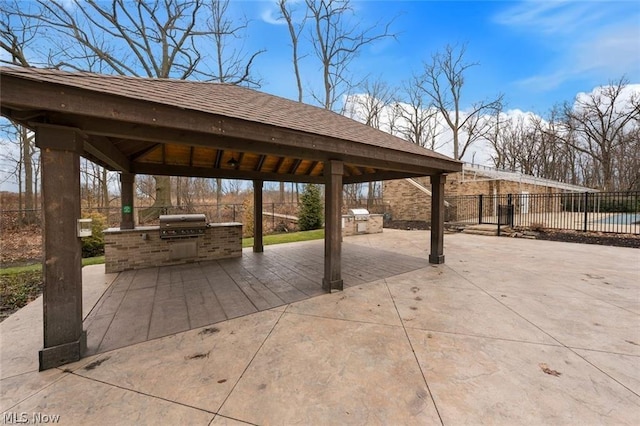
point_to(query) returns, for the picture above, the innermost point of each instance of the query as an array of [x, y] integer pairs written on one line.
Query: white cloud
[[270, 16], [550, 17]]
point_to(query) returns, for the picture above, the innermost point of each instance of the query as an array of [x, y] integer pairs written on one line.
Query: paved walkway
[[508, 331]]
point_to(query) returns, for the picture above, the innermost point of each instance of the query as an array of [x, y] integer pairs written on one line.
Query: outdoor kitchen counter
[[142, 247]]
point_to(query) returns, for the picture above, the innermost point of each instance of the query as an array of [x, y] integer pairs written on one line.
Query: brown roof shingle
[[227, 100]]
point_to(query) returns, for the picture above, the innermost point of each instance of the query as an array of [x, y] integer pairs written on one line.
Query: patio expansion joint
[[34, 393], [413, 351], [153, 305], [75, 374], [569, 348], [107, 293], [275, 324]]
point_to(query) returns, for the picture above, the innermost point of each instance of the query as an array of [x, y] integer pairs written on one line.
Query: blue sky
[[537, 53]]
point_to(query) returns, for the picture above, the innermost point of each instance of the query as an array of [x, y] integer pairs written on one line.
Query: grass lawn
[[290, 237]]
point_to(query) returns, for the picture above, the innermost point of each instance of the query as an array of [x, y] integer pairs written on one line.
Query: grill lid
[[359, 212], [183, 219]]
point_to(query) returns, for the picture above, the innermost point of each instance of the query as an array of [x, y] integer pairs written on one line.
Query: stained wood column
[[437, 219], [127, 183], [333, 226], [258, 246], [64, 339]]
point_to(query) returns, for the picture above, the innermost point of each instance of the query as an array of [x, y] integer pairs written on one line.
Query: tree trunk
[[218, 198], [105, 190], [163, 200], [27, 158]]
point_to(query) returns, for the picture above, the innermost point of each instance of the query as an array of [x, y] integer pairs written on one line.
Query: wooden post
[[258, 246], [127, 182], [437, 219], [333, 226], [64, 338]]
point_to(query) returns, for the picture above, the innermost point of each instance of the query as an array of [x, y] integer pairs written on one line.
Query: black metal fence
[[617, 212], [276, 216]]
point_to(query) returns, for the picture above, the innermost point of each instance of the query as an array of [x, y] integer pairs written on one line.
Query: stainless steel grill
[[359, 214], [182, 225]]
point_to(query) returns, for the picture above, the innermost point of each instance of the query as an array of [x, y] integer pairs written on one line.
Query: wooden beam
[[258, 246], [280, 161], [436, 255], [380, 175], [139, 154], [294, 166], [219, 154], [111, 128], [209, 172], [64, 338], [260, 163], [127, 181], [191, 149], [102, 149], [332, 280], [240, 158], [312, 166], [19, 93]]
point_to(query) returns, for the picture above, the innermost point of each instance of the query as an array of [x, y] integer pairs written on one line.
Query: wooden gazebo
[[186, 128]]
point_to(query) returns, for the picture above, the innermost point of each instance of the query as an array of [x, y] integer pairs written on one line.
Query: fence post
[[586, 210], [480, 209], [234, 212], [273, 215]]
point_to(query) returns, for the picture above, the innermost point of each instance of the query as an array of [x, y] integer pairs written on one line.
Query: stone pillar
[[258, 246], [437, 219], [64, 338], [333, 226], [127, 182]]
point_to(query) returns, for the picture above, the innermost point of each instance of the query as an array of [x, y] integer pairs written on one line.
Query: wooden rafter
[[219, 154], [260, 163]]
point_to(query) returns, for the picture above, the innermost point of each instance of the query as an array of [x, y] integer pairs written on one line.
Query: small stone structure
[[410, 199], [351, 226], [142, 247]]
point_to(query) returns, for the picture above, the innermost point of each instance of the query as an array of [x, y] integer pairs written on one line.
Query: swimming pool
[[622, 219]]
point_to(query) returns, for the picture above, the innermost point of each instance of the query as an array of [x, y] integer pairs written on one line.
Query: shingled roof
[[145, 125]]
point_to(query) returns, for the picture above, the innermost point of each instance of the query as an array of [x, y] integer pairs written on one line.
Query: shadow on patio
[[155, 302]]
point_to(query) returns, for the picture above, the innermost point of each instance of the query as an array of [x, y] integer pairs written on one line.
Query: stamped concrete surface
[[507, 331]]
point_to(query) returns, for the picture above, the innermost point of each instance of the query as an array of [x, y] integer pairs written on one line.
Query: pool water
[[622, 219]]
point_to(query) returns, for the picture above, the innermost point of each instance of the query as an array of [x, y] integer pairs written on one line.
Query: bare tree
[[370, 107], [600, 120], [17, 33], [287, 13], [160, 39], [233, 65], [337, 41], [442, 81], [419, 119]]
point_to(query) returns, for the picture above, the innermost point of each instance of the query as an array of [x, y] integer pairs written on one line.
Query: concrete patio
[[507, 331]]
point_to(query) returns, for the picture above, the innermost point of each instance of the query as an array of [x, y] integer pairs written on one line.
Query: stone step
[[480, 232], [485, 229]]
